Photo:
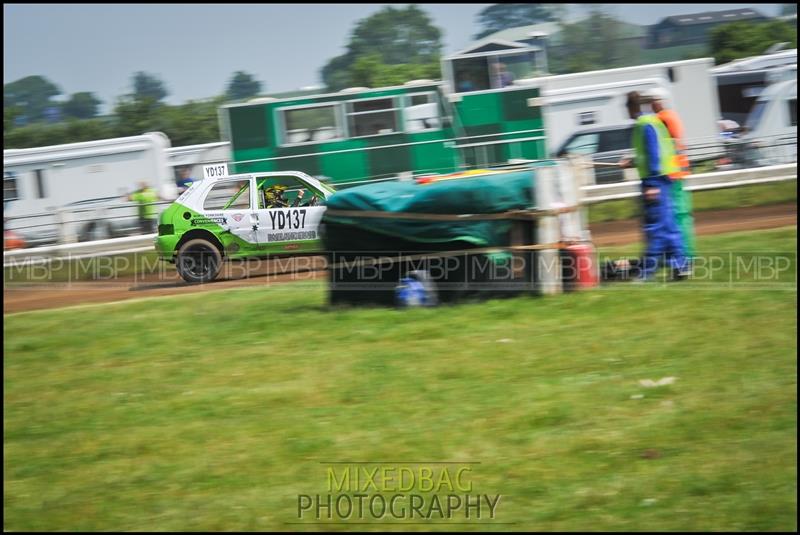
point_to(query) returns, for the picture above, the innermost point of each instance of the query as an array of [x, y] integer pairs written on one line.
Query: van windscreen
[[755, 115]]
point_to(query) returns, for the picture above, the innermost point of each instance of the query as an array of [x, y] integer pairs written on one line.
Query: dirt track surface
[[259, 273], [707, 222]]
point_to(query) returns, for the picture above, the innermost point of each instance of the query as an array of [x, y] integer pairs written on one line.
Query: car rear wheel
[[198, 260]]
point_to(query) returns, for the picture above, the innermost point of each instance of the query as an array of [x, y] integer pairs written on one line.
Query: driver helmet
[[274, 194]]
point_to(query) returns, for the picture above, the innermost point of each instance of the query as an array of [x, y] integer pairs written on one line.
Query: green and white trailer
[[360, 135]]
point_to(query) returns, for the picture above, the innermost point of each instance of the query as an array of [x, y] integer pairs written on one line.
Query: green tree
[[503, 16], [192, 123], [242, 86], [133, 114], [397, 36], [148, 86], [336, 73], [398, 74], [742, 39], [81, 105], [10, 114], [595, 42], [136, 116], [71, 131], [363, 71], [369, 71], [141, 111], [788, 9], [31, 94], [187, 124]]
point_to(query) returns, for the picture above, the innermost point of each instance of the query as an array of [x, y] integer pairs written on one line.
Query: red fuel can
[[581, 270]]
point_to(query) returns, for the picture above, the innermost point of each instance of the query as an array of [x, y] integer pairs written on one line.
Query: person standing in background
[[146, 197], [501, 76], [681, 199], [184, 179], [655, 160]]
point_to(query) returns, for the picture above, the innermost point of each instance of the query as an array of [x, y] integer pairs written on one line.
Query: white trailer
[[196, 156], [38, 183], [573, 102]]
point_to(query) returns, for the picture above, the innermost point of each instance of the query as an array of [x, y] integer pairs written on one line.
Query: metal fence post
[[582, 172], [66, 231], [548, 264]]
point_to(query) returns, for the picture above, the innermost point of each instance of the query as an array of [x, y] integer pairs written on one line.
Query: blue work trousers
[[661, 230]]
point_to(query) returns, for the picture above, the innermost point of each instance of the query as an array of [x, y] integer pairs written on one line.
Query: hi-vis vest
[[145, 198], [666, 148], [675, 128]]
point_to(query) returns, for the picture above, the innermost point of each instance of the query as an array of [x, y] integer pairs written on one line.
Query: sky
[[195, 48]]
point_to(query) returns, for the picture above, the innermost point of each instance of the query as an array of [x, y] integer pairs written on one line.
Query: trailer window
[[471, 74], [421, 113], [10, 192], [793, 112], [753, 91], [305, 125], [372, 117], [586, 118], [232, 195], [40, 191], [519, 65]]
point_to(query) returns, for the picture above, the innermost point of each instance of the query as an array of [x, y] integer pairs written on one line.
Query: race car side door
[[229, 204], [284, 228]]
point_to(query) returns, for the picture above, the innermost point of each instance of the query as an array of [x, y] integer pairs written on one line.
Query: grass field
[[758, 195], [215, 411]]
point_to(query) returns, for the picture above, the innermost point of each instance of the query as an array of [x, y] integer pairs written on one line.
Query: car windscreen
[[755, 115], [583, 144], [286, 191], [615, 140]]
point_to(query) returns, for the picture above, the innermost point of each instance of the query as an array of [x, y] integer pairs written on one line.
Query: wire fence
[[742, 152], [69, 224]]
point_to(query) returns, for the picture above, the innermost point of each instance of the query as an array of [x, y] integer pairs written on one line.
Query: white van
[[572, 102], [772, 124]]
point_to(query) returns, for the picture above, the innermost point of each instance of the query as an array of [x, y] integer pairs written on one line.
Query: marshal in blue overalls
[[654, 159]]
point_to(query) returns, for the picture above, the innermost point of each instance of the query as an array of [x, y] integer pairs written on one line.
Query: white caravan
[[40, 183], [772, 124], [741, 82]]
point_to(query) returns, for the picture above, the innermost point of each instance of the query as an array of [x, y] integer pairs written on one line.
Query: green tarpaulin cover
[[476, 194]]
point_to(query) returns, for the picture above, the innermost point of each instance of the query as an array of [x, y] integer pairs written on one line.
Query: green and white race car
[[241, 216]]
